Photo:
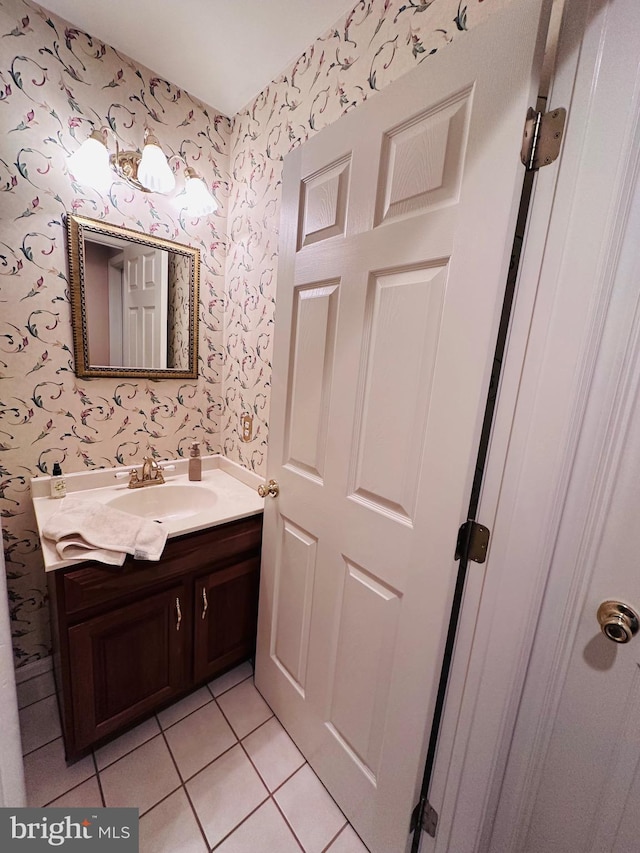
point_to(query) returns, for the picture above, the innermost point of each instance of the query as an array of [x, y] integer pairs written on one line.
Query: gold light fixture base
[[125, 165]]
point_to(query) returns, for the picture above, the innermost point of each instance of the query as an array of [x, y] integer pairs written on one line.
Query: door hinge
[[473, 541], [542, 137], [424, 817]]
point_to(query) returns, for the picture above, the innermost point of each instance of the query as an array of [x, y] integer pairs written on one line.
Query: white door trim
[[564, 290]]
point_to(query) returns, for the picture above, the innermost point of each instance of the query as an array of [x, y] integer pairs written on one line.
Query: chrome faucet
[[149, 475]]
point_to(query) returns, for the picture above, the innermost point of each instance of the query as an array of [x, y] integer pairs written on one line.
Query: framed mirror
[[134, 302]]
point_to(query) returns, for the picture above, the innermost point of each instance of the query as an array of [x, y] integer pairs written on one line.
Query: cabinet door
[[226, 609], [125, 663]]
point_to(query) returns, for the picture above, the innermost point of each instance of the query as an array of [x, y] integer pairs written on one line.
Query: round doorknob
[[271, 489], [618, 621]]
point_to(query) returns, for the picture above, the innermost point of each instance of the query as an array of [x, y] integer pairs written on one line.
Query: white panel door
[[144, 306], [396, 234]]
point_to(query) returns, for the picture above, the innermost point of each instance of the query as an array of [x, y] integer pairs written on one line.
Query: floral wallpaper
[[376, 42], [179, 286], [56, 83]]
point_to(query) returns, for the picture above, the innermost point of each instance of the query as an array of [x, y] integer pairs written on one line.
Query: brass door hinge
[[425, 817], [542, 137], [472, 542]]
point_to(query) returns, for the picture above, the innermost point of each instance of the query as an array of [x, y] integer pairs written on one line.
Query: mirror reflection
[[134, 300]]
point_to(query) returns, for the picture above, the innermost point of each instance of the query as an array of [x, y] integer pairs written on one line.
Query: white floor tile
[[39, 724], [199, 738], [245, 708], [312, 813], [171, 827], [265, 831], [125, 743], [231, 678], [142, 778], [47, 775], [35, 689], [273, 753], [224, 793], [347, 842], [228, 795], [85, 796], [185, 706]]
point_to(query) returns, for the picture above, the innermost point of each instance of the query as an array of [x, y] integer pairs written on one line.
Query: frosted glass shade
[[198, 201], [89, 165], [154, 172]]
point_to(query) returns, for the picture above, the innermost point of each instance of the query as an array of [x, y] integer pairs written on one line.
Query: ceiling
[[222, 51]]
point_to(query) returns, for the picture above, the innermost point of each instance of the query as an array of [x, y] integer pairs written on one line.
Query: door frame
[[563, 293]]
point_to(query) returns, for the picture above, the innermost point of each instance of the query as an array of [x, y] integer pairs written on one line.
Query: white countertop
[[234, 496]]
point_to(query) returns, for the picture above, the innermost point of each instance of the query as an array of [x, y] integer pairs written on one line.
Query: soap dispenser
[[195, 462], [57, 485]]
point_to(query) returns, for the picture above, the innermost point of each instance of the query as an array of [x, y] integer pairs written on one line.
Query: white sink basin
[[166, 502]]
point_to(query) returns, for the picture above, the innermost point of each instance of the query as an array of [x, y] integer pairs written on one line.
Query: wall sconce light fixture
[[199, 201], [148, 171]]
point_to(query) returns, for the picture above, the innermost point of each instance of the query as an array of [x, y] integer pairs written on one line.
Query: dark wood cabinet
[[125, 663], [129, 640], [220, 641]]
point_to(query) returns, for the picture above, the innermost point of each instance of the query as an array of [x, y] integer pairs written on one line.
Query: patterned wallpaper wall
[[179, 288], [374, 44], [55, 82]]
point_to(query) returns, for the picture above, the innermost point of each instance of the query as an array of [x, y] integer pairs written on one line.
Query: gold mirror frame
[[77, 228]]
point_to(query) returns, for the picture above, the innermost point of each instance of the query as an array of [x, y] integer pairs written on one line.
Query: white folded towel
[[89, 530]]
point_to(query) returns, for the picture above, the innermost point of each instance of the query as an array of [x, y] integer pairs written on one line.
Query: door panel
[[294, 580], [357, 697], [323, 203], [313, 333], [396, 231], [422, 159], [401, 325]]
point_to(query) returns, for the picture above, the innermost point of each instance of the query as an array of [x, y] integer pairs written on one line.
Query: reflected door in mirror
[[126, 305], [144, 288]]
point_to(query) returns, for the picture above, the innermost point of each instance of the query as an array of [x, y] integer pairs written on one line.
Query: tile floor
[[215, 771]]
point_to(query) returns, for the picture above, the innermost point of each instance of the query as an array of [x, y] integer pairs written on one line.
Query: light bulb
[[154, 172], [89, 165], [199, 201]]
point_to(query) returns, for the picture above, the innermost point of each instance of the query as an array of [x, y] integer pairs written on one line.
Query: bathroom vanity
[[129, 640]]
